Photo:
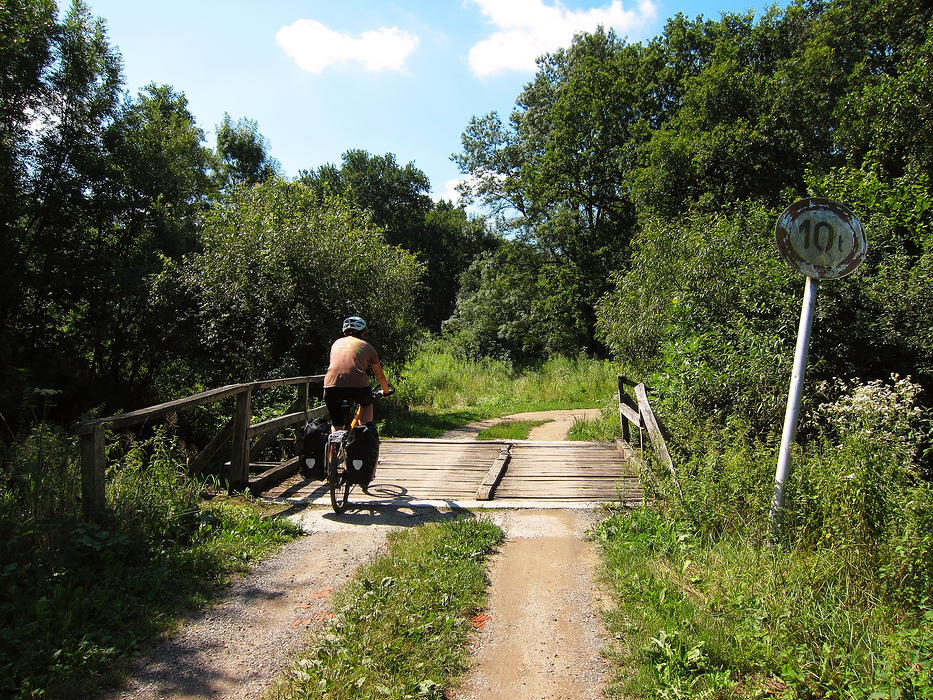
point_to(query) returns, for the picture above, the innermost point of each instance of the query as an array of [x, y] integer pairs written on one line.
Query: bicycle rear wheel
[[337, 478]]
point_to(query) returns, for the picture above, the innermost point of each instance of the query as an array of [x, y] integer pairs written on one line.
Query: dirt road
[[544, 636], [541, 641]]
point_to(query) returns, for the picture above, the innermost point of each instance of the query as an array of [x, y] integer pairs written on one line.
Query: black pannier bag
[[362, 454], [312, 438]]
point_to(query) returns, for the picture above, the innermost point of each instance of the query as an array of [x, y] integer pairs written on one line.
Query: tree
[[515, 303], [440, 234], [243, 153], [706, 313], [557, 172], [281, 268], [64, 91], [97, 193], [157, 189]]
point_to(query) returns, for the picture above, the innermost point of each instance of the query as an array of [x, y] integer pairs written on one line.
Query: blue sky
[[321, 77]]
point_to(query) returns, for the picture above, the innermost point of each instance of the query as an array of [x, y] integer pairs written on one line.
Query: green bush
[[705, 314], [280, 269], [839, 609]]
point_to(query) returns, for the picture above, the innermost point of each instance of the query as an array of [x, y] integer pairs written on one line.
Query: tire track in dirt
[[237, 647], [543, 636]]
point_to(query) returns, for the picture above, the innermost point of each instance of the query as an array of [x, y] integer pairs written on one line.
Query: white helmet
[[354, 324]]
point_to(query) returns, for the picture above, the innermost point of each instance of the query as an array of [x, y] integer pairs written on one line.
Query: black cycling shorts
[[363, 395]]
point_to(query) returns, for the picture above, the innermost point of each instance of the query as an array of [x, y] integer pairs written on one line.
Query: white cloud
[[315, 47], [450, 192], [529, 29]]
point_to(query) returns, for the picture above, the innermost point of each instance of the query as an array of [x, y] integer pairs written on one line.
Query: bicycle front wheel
[[337, 479]]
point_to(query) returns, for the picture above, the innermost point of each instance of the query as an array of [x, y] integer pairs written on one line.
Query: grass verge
[[396, 420], [717, 619], [403, 621], [510, 430]]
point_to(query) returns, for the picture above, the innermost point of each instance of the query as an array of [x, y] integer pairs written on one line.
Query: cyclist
[[350, 359]]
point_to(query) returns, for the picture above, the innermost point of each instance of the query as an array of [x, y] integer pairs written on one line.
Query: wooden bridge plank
[[429, 469]]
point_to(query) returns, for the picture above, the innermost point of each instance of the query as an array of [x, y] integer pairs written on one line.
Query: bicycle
[[337, 480]]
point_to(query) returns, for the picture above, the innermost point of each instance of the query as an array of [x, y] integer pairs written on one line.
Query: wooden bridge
[[466, 472], [411, 470]]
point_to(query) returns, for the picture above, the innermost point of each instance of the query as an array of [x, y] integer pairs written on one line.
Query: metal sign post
[[823, 240]]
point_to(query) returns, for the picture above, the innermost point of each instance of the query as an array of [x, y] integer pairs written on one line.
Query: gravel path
[[541, 640]]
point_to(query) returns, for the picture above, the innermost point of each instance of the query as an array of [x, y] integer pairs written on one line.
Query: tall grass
[[439, 390], [841, 608], [437, 378]]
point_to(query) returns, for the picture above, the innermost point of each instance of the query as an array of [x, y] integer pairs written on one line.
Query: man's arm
[[380, 375]]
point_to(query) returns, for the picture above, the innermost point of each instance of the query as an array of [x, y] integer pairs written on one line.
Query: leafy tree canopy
[[630, 168], [442, 235], [280, 270], [243, 153]]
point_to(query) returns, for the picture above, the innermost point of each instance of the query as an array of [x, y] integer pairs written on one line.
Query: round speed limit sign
[[820, 238]]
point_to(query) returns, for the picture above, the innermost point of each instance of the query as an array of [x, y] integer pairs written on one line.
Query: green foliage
[[242, 154], [614, 145], [604, 428], [838, 609], [514, 304], [707, 315], [402, 623], [280, 270], [556, 174], [443, 237], [78, 599], [439, 380], [877, 322], [40, 480], [95, 191], [63, 91]]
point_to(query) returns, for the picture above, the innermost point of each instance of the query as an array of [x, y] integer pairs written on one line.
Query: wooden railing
[[239, 431], [640, 413]]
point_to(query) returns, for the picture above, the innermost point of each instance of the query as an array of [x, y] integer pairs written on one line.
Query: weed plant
[[402, 622], [603, 428], [78, 600], [840, 607]]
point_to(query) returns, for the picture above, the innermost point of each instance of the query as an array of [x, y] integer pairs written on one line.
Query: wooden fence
[[239, 432]]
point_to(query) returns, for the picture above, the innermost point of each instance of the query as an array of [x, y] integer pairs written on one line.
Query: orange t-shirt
[[350, 357]]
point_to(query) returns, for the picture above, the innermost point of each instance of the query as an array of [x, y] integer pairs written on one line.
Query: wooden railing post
[[628, 410], [93, 468], [239, 457], [655, 431], [303, 397]]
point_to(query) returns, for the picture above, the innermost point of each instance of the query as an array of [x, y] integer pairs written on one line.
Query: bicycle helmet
[[354, 324]]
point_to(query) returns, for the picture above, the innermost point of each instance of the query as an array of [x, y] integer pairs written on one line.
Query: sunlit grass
[[402, 622], [437, 380], [78, 600], [510, 430]]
